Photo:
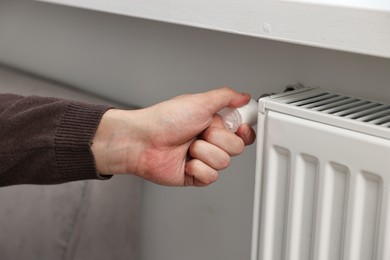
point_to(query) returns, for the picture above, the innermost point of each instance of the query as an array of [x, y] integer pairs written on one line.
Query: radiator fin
[[338, 194], [277, 185], [305, 193], [370, 212], [371, 112]]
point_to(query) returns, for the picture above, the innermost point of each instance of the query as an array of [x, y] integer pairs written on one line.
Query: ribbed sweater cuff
[[73, 140]]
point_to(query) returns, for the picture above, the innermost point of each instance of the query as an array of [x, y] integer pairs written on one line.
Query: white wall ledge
[[349, 25]]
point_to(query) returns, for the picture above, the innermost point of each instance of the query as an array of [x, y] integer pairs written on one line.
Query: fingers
[[247, 134], [212, 152], [224, 139], [207, 160], [216, 145], [199, 174]]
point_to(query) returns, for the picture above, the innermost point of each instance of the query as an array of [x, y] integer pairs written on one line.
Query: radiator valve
[[234, 117]]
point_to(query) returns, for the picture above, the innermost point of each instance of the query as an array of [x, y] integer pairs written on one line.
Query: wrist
[[116, 143], [99, 141]]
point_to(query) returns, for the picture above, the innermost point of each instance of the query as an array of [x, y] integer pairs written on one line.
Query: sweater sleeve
[[47, 140]]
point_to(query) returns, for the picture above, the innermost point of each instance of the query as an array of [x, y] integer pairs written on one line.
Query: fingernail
[[246, 95]]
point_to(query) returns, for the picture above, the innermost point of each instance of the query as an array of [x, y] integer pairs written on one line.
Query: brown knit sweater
[[46, 140]]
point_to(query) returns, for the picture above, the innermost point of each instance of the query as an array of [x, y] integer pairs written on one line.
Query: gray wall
[[142, 62]]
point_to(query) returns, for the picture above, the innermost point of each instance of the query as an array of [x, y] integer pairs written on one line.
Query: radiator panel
[[323, 191]]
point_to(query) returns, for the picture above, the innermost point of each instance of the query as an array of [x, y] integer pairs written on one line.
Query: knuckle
[[207, 134], [195, 147], [199, 174], [213, 176], [192, 166], [240, 147], [225, 162], [228, 90]]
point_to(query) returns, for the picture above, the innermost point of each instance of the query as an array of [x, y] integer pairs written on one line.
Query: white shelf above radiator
[[349, 25]]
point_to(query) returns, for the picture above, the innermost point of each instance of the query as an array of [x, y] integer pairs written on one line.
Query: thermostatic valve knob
[[234, 117]]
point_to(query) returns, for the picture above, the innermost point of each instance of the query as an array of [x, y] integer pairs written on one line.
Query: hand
[[179, 142]]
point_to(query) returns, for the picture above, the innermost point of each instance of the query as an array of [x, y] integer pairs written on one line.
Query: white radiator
[[322, 178]]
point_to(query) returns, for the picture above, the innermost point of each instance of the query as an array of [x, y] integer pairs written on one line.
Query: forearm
[[46, 140]]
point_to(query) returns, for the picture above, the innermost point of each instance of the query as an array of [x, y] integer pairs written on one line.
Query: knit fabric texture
[[47, 140]]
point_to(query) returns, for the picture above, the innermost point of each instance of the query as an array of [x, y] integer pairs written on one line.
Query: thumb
[[217, 99]]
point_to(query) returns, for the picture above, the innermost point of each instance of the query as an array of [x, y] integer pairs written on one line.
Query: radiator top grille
[[348, 107], [367, 111]]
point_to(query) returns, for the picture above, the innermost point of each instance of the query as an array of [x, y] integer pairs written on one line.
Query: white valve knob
[[234, 117]]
